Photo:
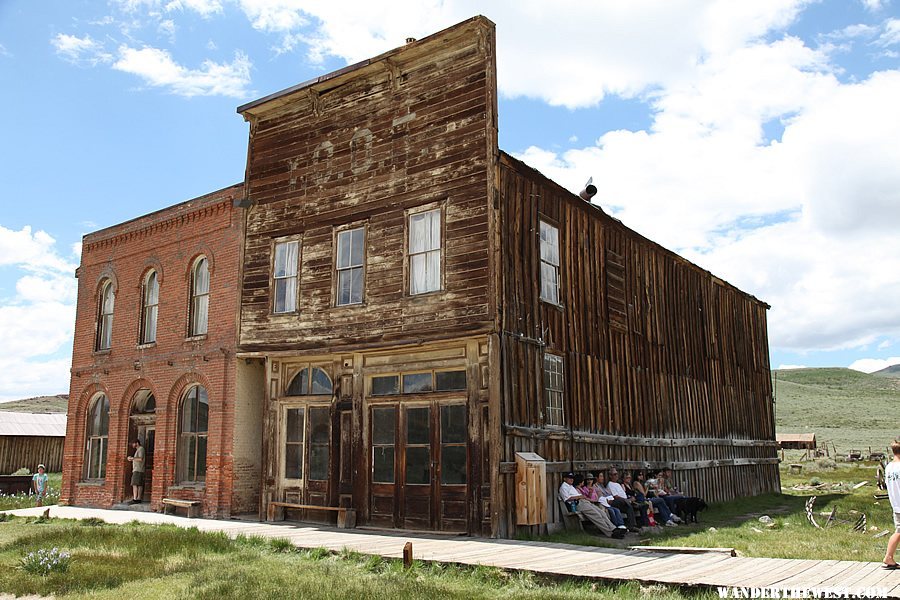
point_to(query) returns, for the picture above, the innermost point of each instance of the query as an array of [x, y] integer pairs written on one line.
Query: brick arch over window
[[154, 264], [125, 403], [108, 273], [200, 251]]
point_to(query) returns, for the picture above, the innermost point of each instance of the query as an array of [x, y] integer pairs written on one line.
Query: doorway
[[141, 426], [420, 465]]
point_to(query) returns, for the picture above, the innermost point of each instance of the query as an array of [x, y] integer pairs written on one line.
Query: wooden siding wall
[[676, 375], [30, 451], [416, 127]]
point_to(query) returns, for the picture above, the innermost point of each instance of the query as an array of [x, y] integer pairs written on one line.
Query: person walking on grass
[[39, 485], [892, 479], [137, 472]]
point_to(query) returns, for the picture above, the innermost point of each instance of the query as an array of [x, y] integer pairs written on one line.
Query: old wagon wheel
[[809, 512]]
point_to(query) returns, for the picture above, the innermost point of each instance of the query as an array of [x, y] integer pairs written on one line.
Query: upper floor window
[[193, 429], [285, 274], [200, 296], [425, 252], [349, 265], [150, 307], [97, 438], [549, 263], [105, 318], [554, 390]]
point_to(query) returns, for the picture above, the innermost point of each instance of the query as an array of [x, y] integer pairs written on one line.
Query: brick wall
[[168, 241]]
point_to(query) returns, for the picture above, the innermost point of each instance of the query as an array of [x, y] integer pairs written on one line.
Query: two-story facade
[[154, 359], [427, 306]]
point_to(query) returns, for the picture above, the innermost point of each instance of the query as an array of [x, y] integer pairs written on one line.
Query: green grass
[[139, 561], [736, 524], [851, 409]]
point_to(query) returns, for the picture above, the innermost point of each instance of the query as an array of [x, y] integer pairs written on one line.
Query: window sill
[[146, 345], [91, 483], [104, 352], [552, 304], [350, 306], [188, 486], [195, 338], [292, 313], [425, 294]]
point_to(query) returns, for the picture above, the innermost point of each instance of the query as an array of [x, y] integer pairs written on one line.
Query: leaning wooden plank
[[685, 549]]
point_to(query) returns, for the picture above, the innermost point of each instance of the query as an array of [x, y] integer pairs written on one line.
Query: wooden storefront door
[[420, 465]]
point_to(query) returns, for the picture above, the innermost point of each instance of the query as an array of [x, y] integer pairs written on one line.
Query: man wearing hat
[[39, 483], [576, 502]]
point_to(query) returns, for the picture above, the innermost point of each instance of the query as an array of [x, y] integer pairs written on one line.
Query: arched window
[[199, 296], [193, 428], [150, 310], [311, 381], [105, 316], [97, 437]]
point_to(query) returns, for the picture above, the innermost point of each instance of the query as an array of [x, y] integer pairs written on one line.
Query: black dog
[[688, 507]]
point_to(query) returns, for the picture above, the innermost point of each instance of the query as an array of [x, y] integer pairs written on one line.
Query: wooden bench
[[174, 503], [346, 517], [571, 520]]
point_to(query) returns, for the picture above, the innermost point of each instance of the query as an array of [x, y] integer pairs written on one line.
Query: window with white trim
[[549, 263], [554, 391], [284, 274], [150, 307], [424, 247], [199, 297], [97, 438], [349, 266], [105, 316], [193, 431]]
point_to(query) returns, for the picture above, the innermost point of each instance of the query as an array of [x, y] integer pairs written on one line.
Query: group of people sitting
[[616, 506]]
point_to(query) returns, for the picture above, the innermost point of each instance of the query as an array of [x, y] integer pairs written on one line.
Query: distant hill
[[39, 404], [853, 410], [891, 371]]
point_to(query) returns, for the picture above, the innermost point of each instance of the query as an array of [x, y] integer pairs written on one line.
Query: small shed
[[796, 441], [30, 439]]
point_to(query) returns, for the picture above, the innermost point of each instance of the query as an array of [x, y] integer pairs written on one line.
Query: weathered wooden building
[[427, 306], [30, 439]]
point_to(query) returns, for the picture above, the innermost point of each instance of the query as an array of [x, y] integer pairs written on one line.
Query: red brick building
[[154, 359]]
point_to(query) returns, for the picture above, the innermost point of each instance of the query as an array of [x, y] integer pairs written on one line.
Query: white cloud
[[36, 325], [875, 5], [158, 69], [891, 34], [4, 52], [870, 365], [204, 8], [586, 49], [84, 51], [167, 28], [884, 345]]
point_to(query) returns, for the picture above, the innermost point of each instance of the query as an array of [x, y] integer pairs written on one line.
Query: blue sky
[[759, 139]]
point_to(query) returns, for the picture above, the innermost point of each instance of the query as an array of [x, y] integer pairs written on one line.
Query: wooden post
[[407, 555]]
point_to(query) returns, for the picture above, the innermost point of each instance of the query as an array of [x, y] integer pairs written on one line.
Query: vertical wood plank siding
[[30, 451], [431, 124], [654, 348]]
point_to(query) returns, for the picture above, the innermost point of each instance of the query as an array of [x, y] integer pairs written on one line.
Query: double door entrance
[[419, 465]]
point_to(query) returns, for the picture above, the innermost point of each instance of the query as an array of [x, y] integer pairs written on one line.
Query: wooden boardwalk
[[706, 569]]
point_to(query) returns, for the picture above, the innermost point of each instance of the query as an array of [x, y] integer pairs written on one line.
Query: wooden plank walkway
[[712, 569]]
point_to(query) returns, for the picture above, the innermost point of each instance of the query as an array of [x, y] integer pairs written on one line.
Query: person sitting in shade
[[589, 490], [667, 491], [620, 499], [665, 515], [577, 503]]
